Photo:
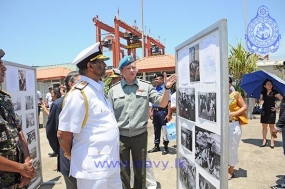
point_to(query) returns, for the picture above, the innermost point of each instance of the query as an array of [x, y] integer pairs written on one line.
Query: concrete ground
[[258, 168]]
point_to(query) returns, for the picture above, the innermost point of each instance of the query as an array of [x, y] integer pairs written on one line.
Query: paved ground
[[258, 168]]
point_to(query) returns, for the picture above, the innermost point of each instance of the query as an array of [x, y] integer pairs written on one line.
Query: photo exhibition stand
[[21, 83], [203, 109]]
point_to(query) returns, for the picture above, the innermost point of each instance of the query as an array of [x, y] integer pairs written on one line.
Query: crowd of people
[[86, 126]]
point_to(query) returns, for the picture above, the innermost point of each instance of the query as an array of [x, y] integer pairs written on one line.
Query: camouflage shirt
[[9, 138]]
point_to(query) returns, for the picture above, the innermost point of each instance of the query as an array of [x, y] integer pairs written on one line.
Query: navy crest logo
[[262, 33]]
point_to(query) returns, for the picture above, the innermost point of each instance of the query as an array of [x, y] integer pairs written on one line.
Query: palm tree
[[241, 62]]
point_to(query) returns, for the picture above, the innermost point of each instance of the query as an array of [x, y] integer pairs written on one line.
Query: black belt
[[160, 109]]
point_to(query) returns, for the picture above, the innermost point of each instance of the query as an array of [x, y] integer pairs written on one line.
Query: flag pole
[[142, 30], [245, 20]]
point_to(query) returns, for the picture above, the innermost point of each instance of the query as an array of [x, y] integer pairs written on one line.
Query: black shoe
[[155, 149], [263, 145], [165, 151], [52, 154]]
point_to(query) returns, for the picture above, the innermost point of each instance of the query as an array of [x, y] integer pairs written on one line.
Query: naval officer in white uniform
[[88, 132]]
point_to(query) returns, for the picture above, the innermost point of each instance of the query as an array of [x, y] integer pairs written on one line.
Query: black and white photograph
[[31, 136], [20, 121], [186, 138], [16, 103], [208, 151], [33, 152], [29, 102], [187, 173], [205, 184], [22, 80], [187, 103], [37, 166], [207, 106], [194, 66], [30, 120]]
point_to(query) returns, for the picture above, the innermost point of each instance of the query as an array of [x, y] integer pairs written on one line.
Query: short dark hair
[[70, 78], [230, 80], [56, 91], [158, 75]]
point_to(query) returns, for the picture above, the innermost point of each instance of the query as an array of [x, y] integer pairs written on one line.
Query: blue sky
[[37, 33]]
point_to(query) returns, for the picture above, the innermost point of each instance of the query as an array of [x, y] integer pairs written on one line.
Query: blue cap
[[126, 61]]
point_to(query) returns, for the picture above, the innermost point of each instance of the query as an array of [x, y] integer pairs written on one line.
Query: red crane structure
[[131, 34]]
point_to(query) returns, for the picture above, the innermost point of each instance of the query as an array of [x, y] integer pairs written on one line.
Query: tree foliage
[[107, 81], [241, 62]]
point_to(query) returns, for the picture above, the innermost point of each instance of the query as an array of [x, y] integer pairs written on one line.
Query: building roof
[[155, 63], [52, 73]]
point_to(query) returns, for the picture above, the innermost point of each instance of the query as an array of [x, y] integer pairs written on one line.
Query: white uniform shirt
[[49, 99], [95, 148], [173, 100]]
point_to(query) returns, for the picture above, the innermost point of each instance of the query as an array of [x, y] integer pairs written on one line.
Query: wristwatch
[[67, 156]]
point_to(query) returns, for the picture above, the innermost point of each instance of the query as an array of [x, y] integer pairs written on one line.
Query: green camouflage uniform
[[9, 139]]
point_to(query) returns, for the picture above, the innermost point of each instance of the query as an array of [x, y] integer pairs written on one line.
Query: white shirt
[[232, 89], [173, 100], [98, 141], [49, 99], [39, 96]]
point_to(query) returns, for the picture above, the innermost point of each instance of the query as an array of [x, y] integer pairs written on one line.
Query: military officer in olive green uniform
[[16, 168], [130, 98]]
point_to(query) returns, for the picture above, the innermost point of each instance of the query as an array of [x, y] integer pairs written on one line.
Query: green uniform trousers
[[137, 146]]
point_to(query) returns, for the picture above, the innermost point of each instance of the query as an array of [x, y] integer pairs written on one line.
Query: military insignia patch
[[262, 33]]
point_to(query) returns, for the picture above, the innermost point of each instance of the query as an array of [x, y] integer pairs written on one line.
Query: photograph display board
[[202, 109], [20, 83]]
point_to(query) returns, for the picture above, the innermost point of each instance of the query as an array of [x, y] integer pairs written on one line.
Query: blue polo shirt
[[161, 90]]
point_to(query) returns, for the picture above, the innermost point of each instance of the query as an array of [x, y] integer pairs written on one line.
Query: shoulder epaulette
[[81, 85], [145, 81], [5, 93], [115, 84]]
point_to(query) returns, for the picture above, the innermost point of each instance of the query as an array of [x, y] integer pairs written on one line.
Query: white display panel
[[202, 109], [20, 83]]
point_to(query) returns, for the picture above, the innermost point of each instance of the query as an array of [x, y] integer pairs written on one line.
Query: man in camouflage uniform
[[16, 168]]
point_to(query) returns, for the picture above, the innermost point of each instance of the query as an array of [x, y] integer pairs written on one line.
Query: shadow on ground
[[279, 181], [258, 142], [240, 173], [50, 184]]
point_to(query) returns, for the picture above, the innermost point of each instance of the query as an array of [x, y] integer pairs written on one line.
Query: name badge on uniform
[[141, 90]]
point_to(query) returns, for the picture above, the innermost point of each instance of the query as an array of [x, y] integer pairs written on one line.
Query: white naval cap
[[88, 55]]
